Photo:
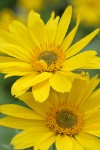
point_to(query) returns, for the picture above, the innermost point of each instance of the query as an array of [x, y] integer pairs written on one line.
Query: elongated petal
[[37, 28], [92, 128], [93, 64], [88, 141], [20, 141], [24, 140], [41, 91], [92, 103], [64, 142], [45, 141], [14, 39], [76, 145], [46, 144], [16, 51], [76, 95], [21, 123], [77, 47], [28, 81], [28, 99], [8, 59], [11, 72], [18, 88], [12, 66], [19, 111], [60, 82], [54, 97], [41, 77], [72, 75], [92, 85], [78, 61], [20, 29], [69, 38], [51, 28], [93, 118], [63, 25]]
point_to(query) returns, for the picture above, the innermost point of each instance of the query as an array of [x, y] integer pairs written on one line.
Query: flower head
[[70, 120], [31, 4], [89, 10], [6, 17], [42, 55]]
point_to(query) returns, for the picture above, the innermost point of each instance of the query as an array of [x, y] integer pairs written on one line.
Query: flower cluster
[[63, 105]]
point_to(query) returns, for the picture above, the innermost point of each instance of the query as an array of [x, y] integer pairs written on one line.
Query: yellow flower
[[42, 55], [89, 9], [6, 16], [31, 4], [70, 120]]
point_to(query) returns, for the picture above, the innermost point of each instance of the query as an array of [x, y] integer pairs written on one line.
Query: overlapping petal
[[31, 47], [42, 130]]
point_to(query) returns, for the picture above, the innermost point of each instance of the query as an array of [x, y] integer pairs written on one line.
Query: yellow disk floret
[[65, 120]]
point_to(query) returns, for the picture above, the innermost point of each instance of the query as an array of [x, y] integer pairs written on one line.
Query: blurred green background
[[18, 10]]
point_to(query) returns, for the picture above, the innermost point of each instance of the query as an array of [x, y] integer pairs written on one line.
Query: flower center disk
[[49, 59], [65, 120], [48, 56]]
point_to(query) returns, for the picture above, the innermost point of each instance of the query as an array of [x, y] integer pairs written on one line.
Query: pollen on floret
[[48, 59], [65, 120]]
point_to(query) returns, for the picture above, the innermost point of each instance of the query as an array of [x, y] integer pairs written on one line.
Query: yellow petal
[[16, 51], [31, 18], [76, 145], [63, 25], [12, 66], [19, 111], [20, 141], [19, 123], [60, 82], [76, 95], [45, 141], [24, 83], [93, 82], [28, 99], [20, 29], [41, 77], [78, 61], [37, 28], [8, 59], [10, 73], [93, 118], [54, 97], [93, 64], [74, 49], [51, 18], [46, 145], [41, 91], [63, 142], [88, 141], [51, 27], [19, 87], [24, 140], [11, 38], [92, 129], [72, 75], [69, 38], [92, 103]]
